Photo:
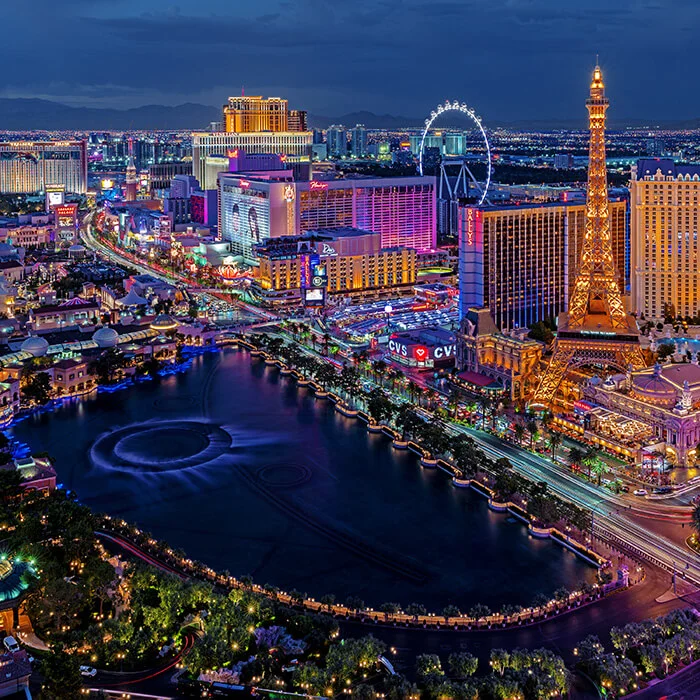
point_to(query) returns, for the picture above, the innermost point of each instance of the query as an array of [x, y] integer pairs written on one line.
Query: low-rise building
[[666, 398], [426, 348], [346, 261], [28, 235], [70, 377], [15, 671], [37, 474], [12, 271], [509, 360], [71, 313], [9, 398], [148, 286]]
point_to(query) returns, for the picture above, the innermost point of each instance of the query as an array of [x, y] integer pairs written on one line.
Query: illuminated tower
[[596, 331], [131, 177]]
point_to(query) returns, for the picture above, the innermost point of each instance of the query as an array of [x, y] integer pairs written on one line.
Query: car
[[640, 492], [88, 671], [11, 644], [663, 489]]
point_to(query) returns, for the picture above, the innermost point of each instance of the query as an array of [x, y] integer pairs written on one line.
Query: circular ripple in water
[[160, 446], [284, 474]]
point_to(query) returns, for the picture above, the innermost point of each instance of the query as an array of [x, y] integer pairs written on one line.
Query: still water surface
[[249, 473]]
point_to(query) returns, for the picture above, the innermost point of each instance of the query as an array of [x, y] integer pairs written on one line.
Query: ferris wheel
[[465, 171]]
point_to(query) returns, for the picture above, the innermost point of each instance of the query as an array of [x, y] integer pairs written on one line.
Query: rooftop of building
[[83, 305], [518, 206], [340, 232], [69, 363], [15, 667], [427, 336], [648, 167]]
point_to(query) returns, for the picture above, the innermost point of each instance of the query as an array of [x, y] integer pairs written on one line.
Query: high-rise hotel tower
[[665, 251]]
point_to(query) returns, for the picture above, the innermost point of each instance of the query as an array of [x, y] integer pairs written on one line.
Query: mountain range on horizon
[[27, 114]]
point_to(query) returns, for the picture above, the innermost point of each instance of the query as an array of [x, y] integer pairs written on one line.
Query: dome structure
[[132, 299], [35, 346], [654, 387], [164, 323], [106, 337]]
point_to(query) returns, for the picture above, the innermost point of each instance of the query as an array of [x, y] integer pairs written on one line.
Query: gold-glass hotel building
[[520, 260], [254, 124]]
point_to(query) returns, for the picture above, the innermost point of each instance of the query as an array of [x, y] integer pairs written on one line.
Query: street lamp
[[387, 310]]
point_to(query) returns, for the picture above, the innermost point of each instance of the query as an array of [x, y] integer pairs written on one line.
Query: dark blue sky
[[510, 59]]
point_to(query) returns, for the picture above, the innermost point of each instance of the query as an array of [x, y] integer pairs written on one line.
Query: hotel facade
[[665, 251], [347, 261], [28, 167], [272, 204], [520, 260], [295, 146]]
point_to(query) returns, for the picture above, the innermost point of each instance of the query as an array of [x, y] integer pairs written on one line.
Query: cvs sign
[[444, 352]]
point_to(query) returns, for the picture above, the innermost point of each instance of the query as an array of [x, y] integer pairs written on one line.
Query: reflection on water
[[247, 472]]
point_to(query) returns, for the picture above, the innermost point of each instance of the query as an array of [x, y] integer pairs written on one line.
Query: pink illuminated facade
[[402, 209]]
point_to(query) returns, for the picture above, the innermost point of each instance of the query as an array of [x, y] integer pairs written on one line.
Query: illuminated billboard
[[66, 215], [314, 279], [55, 195], [54, 198], [314, 297], [245, 217]]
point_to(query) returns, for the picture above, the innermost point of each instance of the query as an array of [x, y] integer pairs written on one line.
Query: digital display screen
[[245, 218], [314, 297]]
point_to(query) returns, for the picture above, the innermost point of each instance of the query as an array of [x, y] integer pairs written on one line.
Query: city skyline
[[511, 59]]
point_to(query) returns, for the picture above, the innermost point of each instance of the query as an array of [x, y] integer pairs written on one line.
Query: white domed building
[[35, 345], [106, 337]]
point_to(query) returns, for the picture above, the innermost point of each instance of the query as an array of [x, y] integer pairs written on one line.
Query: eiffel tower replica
[[596, 331]]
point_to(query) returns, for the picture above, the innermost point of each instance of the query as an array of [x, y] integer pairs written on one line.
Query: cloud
[[510, 58]]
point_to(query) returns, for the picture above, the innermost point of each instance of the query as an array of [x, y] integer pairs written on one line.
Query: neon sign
[[244, 184], [470, 226], [420, 352], [315, 186]]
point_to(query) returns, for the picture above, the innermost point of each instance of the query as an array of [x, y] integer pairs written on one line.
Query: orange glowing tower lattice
[[596, 331]]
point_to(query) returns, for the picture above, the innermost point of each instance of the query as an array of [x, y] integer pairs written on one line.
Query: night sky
[[511, 59]]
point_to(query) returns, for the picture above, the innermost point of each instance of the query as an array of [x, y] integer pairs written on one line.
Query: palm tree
[[407, 421], [378, 369], [326, 340], [519, 431], [483, 403], [414, 390], [555, 440], [531, 426], [575, 457], [695, 522], [589, 459], [600, 468]]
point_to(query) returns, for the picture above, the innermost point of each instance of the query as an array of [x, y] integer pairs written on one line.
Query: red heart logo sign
[[421, 353]]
